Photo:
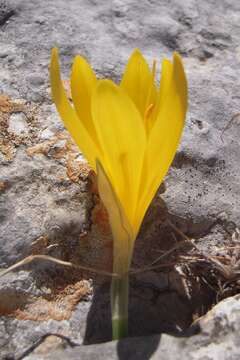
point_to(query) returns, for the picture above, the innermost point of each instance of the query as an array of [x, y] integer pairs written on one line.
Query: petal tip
[[106, 85], [54, 52], [180, 78], [136, 52], [177, 58]]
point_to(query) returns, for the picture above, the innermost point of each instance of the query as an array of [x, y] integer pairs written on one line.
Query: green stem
[[119, 305]]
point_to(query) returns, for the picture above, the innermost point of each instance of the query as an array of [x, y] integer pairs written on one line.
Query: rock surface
[[218, 340], [47, 200]]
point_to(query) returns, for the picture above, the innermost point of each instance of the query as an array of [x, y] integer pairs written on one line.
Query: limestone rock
[[218, 340], [48, 203]]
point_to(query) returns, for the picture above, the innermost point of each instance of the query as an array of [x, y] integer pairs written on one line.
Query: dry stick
[[139, 271], [150, 266], [229, 247], [30, 258], [174, 227], [177, 246], [174, 237], [225, 270], [57, 261]]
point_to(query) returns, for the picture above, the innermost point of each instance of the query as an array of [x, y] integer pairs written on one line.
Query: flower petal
[[121, 229], [160, 97], [166, 78], [137, 81], [165, 135], [68, 115], [122, 138], [83, 81]]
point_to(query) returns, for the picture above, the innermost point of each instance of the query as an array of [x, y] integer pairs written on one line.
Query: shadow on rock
[[163, 300], [151, 311], [99, 330]]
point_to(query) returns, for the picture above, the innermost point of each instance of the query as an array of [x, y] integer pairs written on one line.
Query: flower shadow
[[158, 301]]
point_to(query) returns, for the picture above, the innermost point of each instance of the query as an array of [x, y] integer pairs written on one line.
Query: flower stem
[[119, 305]]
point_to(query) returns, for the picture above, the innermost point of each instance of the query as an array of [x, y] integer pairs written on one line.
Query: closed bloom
[[129, 134]]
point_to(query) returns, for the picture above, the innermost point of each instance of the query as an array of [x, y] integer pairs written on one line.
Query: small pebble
[[46, 134], [35, 80], [18, 124]]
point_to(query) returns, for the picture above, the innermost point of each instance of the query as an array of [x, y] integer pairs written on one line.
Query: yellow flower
[[129, 133]]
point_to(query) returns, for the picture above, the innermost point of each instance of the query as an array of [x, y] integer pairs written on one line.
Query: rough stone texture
[[18, 124], [30, 311], [218, 340], [6, 11], [46, 206], [205, 172]]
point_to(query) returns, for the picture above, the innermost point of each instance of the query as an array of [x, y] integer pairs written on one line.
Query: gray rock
[[205, 172], [28, 328], [46, 134], [37, 183], [36, 80], [6, 50], [6, 11], [218, 340], [43, 210]]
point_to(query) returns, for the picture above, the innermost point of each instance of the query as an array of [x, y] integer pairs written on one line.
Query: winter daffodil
[[129, 134]]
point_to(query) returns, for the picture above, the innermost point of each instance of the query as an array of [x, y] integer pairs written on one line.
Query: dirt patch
[[11, 139], [58, 306], [64, 293]]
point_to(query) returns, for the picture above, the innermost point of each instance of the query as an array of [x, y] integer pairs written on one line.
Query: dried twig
[[150, 268], [167, 253], [30, 258], [174, 227]]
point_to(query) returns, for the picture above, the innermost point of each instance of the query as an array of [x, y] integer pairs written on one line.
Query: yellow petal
[[122, 138], [68, 115], [165, 136], [123, 238], [138, 83], [166, 78], [83, 81]]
